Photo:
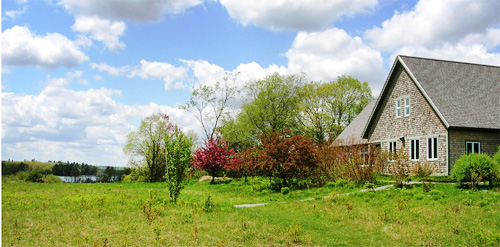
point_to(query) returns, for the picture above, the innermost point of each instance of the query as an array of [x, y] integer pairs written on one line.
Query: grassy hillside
[[140, 214]]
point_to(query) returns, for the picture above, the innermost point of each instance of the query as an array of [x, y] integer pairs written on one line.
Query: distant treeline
[[70, 169], [73, 169]]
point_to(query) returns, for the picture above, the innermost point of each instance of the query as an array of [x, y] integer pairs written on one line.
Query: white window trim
[[407, 106], [432, 149], [473, 142], [398, 101], [411, 149]]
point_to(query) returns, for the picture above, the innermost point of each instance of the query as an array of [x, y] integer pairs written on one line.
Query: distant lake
[[78, 179]]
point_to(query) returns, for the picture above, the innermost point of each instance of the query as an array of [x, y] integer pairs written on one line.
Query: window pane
[[429, 148], [417, 149], [469, 148], [434, 148], [476, 147]]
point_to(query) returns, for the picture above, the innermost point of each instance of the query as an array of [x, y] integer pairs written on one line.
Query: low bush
[[285, 190], [475, 168], [496, 156], [34, 176], [52, 179]]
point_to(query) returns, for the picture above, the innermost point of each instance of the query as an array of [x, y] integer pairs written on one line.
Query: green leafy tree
[[271, 105], [348, 98], [273, 102], [178, 149], [147, 144], [328, 107]]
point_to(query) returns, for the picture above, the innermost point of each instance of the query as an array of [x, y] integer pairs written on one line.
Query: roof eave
[[364, 134]]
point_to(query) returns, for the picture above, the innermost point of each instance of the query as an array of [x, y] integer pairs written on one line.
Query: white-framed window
[[398, 108], [432, 148], [472, 147], [415, 149], [403, 106], [392, 147], [407, 106]]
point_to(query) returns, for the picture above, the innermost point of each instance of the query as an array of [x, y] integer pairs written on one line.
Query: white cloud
[[206, 73], [476, 53], [332, 53], [20, 47], [13, 14], [490, 39], [113, 71], [63, 124], [170, 74], [101, 30], [98, 78], [433, 23], [77, 74], [294, 15], [134, 10]]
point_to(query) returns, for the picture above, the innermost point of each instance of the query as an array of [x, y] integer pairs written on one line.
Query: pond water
[[78, 179]]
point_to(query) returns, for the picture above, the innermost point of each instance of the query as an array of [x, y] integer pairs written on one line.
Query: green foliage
[[327, 107], [285, 190], [52, 179], [475, 168], [34, 176], [496, 156], [178, 148], [148, 145], [208, 205]]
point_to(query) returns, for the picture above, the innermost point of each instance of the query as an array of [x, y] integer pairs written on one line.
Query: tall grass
[[114, 215]]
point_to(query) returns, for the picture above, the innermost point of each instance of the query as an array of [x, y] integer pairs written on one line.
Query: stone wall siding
[[421, 124], [489, 139]]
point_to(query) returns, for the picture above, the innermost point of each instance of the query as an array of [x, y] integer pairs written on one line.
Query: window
[[403, 104], [472, 147], [432, 148], [407, 106], [415, 149], [398, 108], [392, 147]]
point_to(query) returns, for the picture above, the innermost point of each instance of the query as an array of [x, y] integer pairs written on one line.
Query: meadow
[[141, 214]]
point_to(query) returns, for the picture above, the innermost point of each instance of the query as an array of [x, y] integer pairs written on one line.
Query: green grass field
[[140, 214]]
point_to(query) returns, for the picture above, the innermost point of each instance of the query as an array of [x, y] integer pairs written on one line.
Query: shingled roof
[[464, 94], [352, 134]]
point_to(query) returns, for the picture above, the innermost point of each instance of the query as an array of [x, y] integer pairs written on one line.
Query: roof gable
[[462, 94]]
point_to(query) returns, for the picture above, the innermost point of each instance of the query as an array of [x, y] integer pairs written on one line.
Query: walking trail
[[325, 197]]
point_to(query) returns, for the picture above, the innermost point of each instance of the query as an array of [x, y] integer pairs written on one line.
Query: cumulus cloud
[[64, 124], [206, 73], [134, 10], [170, 74], [101, 30], [332, 53], [294, 15], [20, 47], [476, 53], [432, 23]]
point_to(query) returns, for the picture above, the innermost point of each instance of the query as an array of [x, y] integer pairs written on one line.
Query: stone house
[[434, 110]]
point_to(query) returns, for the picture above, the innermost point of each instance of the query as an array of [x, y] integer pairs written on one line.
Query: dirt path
[[325, 197]]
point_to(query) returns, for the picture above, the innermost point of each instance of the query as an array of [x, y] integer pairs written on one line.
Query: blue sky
[[78, 76]]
